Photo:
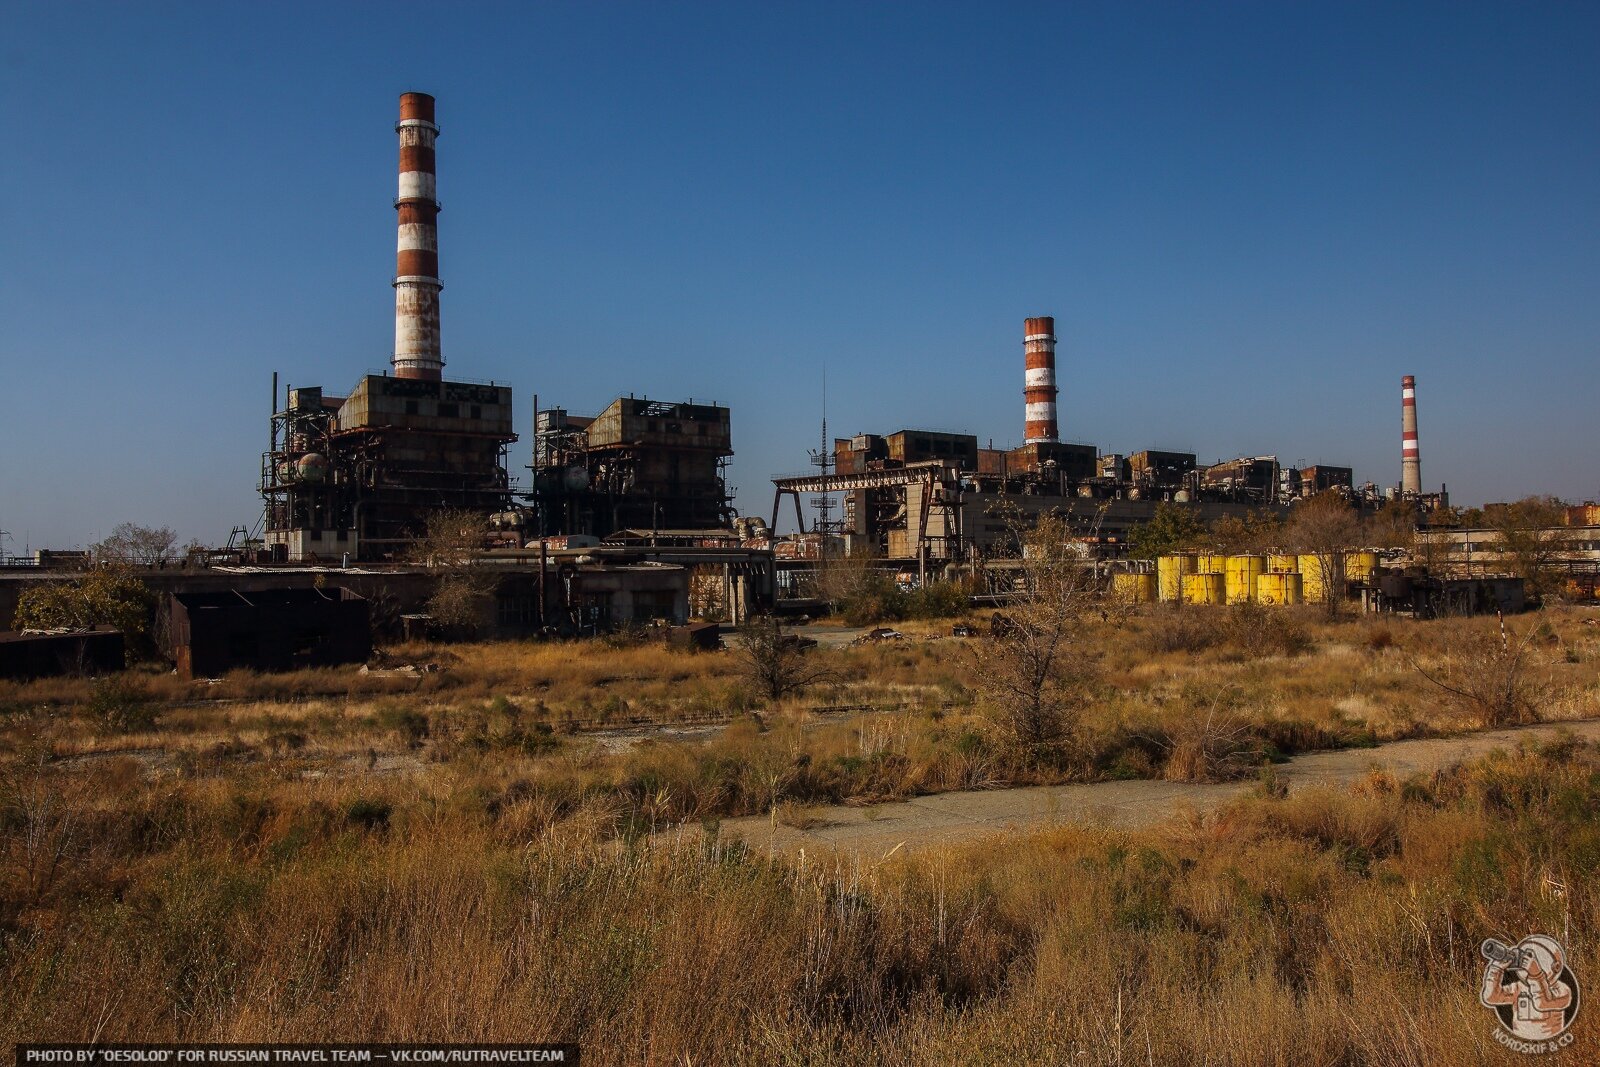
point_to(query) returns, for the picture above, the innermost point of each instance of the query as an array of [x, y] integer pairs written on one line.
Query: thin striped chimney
[[416, 272], [1410, 458], [1039, 392]]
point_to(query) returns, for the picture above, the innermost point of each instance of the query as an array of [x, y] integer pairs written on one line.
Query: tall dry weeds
[[1323, 928], [1497, 673]]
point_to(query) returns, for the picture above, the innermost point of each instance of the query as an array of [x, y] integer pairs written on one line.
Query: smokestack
[[416, 281], [1039, 393], [1410, 458]]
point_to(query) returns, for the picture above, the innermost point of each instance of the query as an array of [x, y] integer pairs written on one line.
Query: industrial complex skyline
[[1247, 225]]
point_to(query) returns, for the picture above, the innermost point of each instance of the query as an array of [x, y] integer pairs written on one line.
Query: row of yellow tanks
[[1205, 578]]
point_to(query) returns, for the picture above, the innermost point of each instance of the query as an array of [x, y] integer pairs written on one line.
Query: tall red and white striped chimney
[[1039, 392], [1410, 458], [416, 281]]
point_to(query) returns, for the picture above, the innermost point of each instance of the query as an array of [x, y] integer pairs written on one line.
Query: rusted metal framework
[[359, 475], [912, 495], [640, 464]]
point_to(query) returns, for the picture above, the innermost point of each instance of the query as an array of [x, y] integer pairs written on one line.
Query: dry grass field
[[469, 853]]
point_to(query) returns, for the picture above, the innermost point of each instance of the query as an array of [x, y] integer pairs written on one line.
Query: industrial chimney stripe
[[1039, 380], [417, 350]]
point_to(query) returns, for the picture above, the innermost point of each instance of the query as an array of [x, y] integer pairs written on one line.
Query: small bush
[[938, 600], [798, 816], [368, 813], [1497, 675], [869, 609], [1211, 747], [411, 725], [1261, 631], [1186, 631], [119, 704]]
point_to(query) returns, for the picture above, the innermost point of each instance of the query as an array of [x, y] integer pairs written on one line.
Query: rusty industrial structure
[[210, 634], [628, 518], [938, 497], [355, 477], [640, 465], [933, 498]]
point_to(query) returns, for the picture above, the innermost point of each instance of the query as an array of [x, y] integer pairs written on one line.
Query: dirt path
[[951, 818]]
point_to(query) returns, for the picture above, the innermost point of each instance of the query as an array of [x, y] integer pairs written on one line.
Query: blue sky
[[1248, 220]]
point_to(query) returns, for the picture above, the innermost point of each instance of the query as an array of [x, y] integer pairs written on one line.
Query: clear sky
[[1248, 220]]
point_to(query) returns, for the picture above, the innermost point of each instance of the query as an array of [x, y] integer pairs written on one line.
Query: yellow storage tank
[[1239, 577], [1202, 588], [1282, 563], [1278, 587], [1210, 563], [1359, 566], [1315, 586], [1169, 576], [1134, 588]]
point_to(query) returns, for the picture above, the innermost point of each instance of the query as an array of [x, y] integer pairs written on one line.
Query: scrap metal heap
[[640, 465], [358, 475]]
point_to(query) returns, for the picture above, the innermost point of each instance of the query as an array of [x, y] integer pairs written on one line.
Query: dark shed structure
[[267, 630], [46, 655]]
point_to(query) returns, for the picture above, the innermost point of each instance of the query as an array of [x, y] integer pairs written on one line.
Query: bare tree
[[452, 549], [1254, 532], [43, 824], [131, 543], [854, 586], [1326, 527], [1393, 526], [1533, 538], [777, 663], [1036, 666]]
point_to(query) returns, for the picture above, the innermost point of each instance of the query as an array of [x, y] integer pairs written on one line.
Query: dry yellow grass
[[515, 706], [1324, 928]]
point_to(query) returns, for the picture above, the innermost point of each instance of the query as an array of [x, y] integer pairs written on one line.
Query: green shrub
[[104, 597], [938, 600]]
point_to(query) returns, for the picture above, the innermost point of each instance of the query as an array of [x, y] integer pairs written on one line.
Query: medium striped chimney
[[1410, 458], [416, 270], [1039, 392]]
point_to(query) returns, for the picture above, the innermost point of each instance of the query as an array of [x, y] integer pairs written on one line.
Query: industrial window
[[449, 411], [411, 407]]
